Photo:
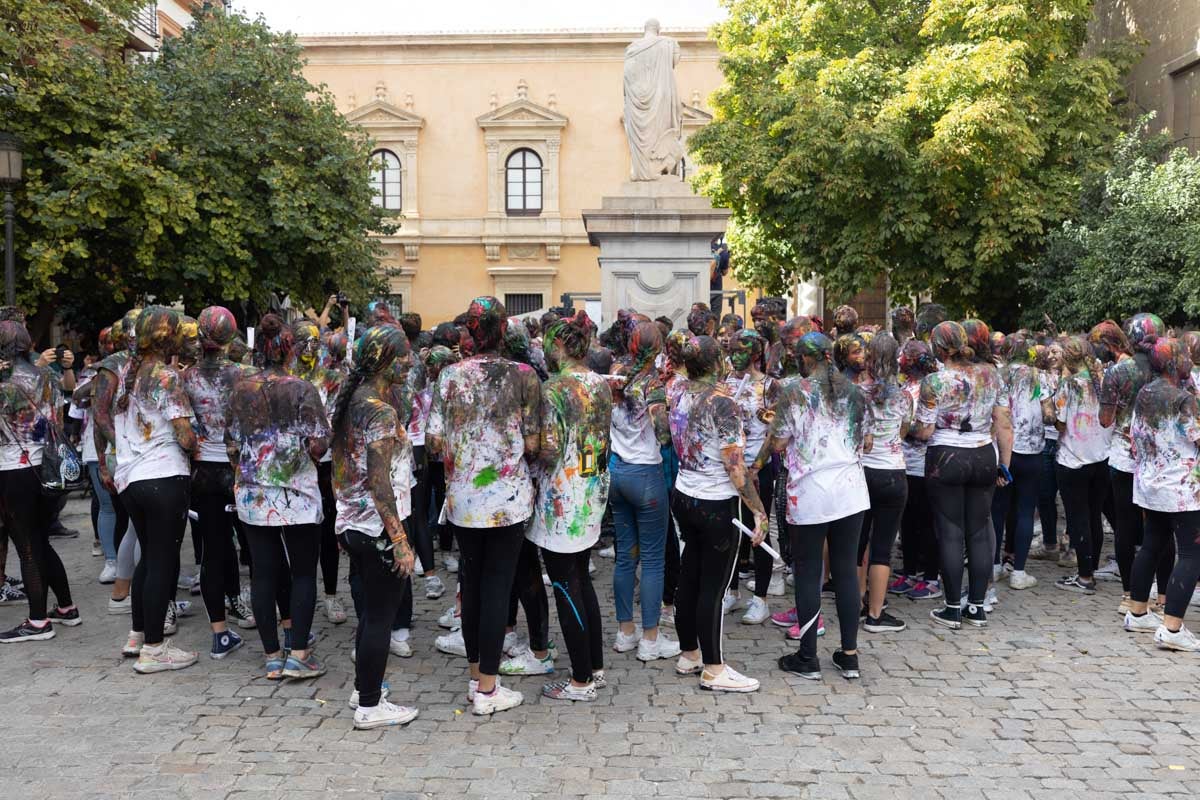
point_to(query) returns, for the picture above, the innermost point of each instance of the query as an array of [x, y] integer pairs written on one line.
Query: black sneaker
[[865, 611], [827, 589], [69, 618], [60, 531], [974, 615], [26, 632], [1074, 583], [809, 668], [950, 617], [884, 623], [847, 665]]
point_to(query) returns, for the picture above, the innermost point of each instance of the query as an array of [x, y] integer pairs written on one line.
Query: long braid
[[130, 379], [345, 395]]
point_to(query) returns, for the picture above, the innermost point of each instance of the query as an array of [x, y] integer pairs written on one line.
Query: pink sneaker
[[794, 631], [785, 619], [901, 584]]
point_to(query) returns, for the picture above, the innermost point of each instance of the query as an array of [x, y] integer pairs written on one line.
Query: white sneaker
[[667, 616], [335, 612], [513, 643], [162, 658], [775, 588], [1182, 639], [171, 621], [997, 571], [384, 691], [627, 641], [1109, 572], [732, 602], [501, 699], [186, 580], [757, 612], [607, 552], [730, 680], [1020, 579], [120, 606], [383, 715], [418, 570], [400, 647], [133, 643], [526, 663], [688, 666], [434, 588], [472, 688], [450, 620], [1146, 623], [450, 563], [662, 647], [109, 573], [452, 643]]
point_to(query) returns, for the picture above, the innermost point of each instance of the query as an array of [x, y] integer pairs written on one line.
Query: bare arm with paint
[[379, 484], [1002, 430]]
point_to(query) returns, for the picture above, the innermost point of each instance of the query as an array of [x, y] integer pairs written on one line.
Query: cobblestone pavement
[[1052, 698]]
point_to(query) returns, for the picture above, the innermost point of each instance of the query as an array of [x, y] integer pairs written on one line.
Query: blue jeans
[[107, 520], [1023, 494], [1047, 503], [638, 496]]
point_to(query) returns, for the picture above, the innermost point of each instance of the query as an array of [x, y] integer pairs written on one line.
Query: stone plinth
[[654, 248]]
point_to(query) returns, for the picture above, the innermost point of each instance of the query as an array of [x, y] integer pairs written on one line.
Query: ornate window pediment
[[522, 113], [381, 114], [395, 130]]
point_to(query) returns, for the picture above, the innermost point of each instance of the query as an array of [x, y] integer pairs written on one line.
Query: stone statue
[[653, 115]]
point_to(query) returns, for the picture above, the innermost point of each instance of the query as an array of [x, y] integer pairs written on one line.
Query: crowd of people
[[522, 442]]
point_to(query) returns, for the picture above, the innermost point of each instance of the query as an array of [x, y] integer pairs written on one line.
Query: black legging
[[709, 558], [780, 495], [26, 513], [437, 496], [276, 550], [485, 576], [1083, 490], [917, 539], [529, 589], [960, 481], [158, 510], [808, 544], [764, 564], [1162, 529], [212, 493], [1129, 531], [888, 489], [578, 611], [381, 590], [329, 549], [418, 522], [670, 560]]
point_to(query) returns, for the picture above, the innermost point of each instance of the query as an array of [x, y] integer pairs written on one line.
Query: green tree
[[1133, 245], [932, 140], [215, 173]]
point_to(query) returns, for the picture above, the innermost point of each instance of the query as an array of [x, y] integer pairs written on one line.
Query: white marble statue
[[653, 114]]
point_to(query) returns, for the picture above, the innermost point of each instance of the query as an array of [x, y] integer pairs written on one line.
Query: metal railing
[[145, 19]]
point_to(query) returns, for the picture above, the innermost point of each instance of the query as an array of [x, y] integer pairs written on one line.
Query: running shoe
[[133, 644], [1182, 639], [383, 715], [846, 664], [627, 641], [513, 643], [186, 581], [27, 632], [1146, 623], [499, 699], [97, 549], [451, 563], [122, 606], [1073, 583], [1109, 572], [884, 623], [451, 644], [70, 617], [171, 620], [776, 588], [335, 612], [224, 643], [757, 612], [607, 552], [274, 668], [12, 593], [808, 668], [730, 680], [237, 611], [1021, 580], [163, 658], [785, 619], [300, 669], [109, 573], [794, 631], [451, 620], [653, 649], [901, 584], [732, 602], [565, 690], [526, 663], [827, 590], [400, 647], [925, 590], [434, 588]]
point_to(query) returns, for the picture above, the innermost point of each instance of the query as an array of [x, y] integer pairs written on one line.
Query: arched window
[[523, 173], [385, 179]]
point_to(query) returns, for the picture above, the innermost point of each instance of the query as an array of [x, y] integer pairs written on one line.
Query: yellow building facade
[[490, 147]]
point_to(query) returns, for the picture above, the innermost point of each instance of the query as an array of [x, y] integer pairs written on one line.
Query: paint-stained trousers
[[578, 611]]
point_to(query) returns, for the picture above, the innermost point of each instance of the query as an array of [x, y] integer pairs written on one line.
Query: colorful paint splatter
[[1164, 430]]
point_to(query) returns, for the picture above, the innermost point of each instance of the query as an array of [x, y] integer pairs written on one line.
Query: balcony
[[143, 32]]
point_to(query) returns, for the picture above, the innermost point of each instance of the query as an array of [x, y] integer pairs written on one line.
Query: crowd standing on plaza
[[521, 442]]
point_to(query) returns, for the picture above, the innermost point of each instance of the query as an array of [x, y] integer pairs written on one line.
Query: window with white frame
[[523, 183], [386, 179]]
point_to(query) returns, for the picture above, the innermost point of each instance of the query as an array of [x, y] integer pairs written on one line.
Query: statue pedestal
[[654, 239]]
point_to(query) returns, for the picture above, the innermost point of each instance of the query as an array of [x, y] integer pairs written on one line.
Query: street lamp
[[10, 176]]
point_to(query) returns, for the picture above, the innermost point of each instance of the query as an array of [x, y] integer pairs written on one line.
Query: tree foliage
[[1134, 244], [215, 172], [934, 140]]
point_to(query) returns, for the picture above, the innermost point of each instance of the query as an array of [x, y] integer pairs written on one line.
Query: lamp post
[[10, 176]]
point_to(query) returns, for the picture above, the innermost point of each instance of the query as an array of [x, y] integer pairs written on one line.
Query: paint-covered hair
[[701, 355], [979, 337], [335, 346], [1019, 348], [487, 321], [845, 319], [903, 319], [157, 332], [274, 341], [674, 347], [380, 313], [844, 346], [790, 335], [949, 340], [929, 316], [375, 351], [1078, 355], [1169, 357], [516, 342], [217, 328], [410, 322], [644, 345], [1191, 341], [446, 334], [836, 388], [698, 319], [916, 359], [574, 334], [14, 340], [1143, 329], [749, 344], [882, 365], [733, 321], [1109, 340]]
